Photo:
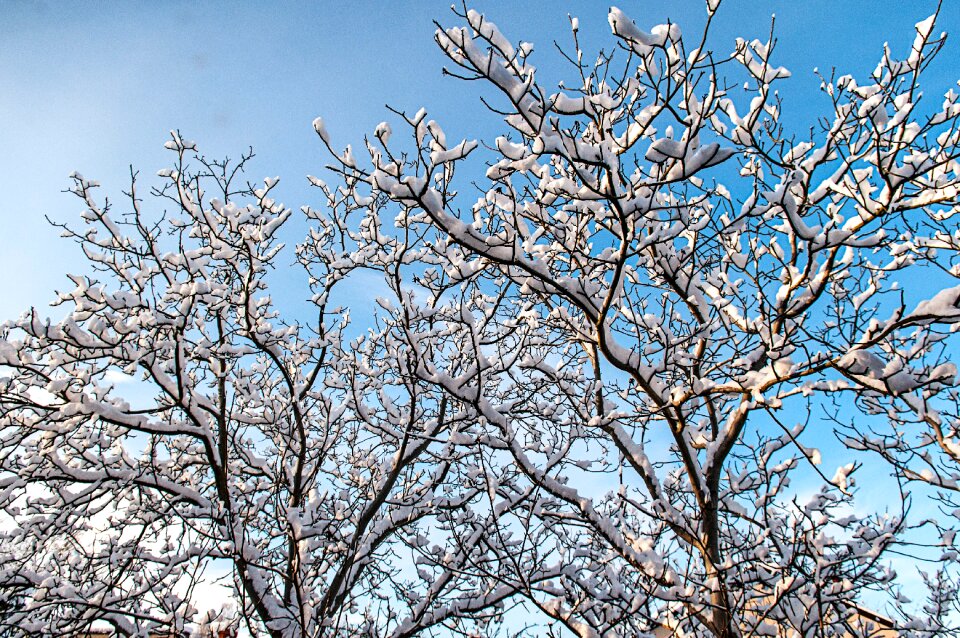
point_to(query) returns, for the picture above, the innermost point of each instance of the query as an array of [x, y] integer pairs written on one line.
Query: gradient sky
[[96, 87]]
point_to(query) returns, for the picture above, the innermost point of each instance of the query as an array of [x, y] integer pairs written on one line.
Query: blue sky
[[96, 87]]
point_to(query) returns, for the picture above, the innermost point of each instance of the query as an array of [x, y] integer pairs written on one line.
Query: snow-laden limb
[[654, 296]]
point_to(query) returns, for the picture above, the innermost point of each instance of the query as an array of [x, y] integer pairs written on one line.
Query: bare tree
[[664, 293], [173, 421]]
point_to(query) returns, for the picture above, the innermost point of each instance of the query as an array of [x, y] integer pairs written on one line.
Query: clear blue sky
[[95, 87]]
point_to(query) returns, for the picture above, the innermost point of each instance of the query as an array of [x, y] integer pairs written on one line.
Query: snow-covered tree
[[667, 298], [622, 342], [174, 422]]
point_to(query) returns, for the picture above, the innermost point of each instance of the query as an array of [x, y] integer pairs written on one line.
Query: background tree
[[173, 421]]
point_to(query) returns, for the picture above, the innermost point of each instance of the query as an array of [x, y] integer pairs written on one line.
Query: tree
[[311, 465], [583, 405], [650, 291]]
